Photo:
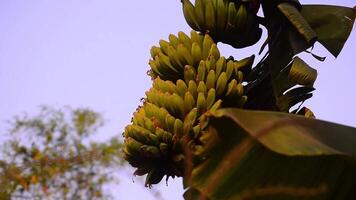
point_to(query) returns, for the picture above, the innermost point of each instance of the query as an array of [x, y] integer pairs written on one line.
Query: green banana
[[201, 87], [196, 38], [178, 128], [193, 88], [201, 71], [189, 73], [241, 18], [200, 13], [231, 22], [190, 78], [207, 43], [189, 101], [201, 103], [231, 16], [210, 79], [196, 53], [189, 14], [185, 54], [221, 13], [210, 99], [173, 40], [154, 51], [185, 40], [214, 52], [182, 88], [220, 66], [210, 20], [221, 84]]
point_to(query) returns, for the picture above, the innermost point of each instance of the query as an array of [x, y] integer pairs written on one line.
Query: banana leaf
[[332, 24], [293, 29], [274, 156]]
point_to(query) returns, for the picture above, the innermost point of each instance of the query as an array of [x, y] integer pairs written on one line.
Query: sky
[[91, 53]]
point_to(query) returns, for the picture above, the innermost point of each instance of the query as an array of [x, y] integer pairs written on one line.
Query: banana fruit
[[190, 78], [230, 22], [168, 61]]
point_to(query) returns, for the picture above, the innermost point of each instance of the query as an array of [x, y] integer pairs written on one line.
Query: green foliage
[[51, 156]]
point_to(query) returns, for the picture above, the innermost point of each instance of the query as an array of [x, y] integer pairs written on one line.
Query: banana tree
[[227, 125]]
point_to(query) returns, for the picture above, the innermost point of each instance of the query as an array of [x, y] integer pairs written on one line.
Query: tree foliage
[[52, 156]]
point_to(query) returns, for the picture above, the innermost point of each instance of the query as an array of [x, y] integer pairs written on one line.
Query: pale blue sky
[[94, 54]]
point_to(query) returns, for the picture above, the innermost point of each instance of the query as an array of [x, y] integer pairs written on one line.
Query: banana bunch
[[231, 22], [169, 59], [172, 115]]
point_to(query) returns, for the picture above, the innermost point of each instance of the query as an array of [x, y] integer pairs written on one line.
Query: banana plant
[[225, 125]]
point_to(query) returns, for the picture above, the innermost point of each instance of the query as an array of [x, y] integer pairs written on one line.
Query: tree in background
[[52, 156]]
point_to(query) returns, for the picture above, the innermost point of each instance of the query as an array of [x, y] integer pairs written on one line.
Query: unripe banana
[[164, 86], [190, 79], [231, 16], [201, 71], [163, 148], [132, 147], [210, 63], [201, 87], [241, 18], [148, 124], [150, 151], [221, 13], [176, 106], [201, 103], [154, 51], [210, 79], [210, 18], [174, 58], [207, 43], [155, 68], [189, 14], [214, 52], [178, 128], [240, 89], [189, 73], [231, 88], [210, 99], [229, 69], [189, 101], [200, 13], [196, 53], [189, 121], [170, 123], [196, 38], [221, 84], [220, 66], [182, 88], [227, 21], [185, 54], [164, 45], [165, 61], [193, 88], [216, 105], [173, 40], [185, 40]]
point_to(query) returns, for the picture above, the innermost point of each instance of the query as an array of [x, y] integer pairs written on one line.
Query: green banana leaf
[[298, 21], [272, 155], [332, 24]]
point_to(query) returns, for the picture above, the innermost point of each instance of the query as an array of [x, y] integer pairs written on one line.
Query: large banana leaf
[[272, 155]]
